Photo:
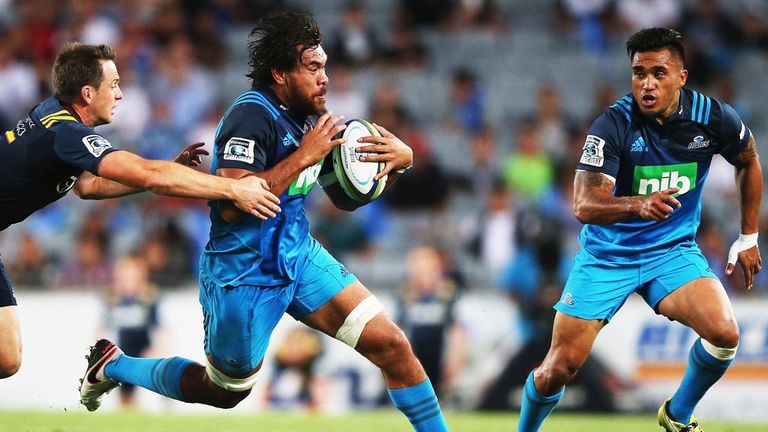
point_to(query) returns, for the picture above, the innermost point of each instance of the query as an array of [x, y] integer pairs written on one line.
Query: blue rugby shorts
[[239, 320], [597, 288]]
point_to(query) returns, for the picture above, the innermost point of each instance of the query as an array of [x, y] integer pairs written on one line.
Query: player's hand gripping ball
[[356, 177]]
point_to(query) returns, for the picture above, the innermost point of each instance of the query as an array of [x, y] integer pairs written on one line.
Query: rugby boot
[[670, 425], [94, 383]]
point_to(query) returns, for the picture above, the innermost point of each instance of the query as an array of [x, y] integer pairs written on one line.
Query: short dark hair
[[656, 38], [78, 65], [277, 42]]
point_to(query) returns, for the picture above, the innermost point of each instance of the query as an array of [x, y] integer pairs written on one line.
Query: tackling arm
[[594, 202]]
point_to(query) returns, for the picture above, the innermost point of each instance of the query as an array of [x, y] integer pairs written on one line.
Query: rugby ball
[[356, 177]]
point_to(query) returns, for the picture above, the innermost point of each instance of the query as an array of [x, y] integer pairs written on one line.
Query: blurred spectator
[[533, 281], [168, 252], [423, 187], [404, 51], [343, 97], [468, 102], [493, 240], [485, 166], [714, 246], [426, 314], [354, 42], [484, 15], [603, 97], [165, 136], [131, 311], [427, 13], [555, 129], [709, 34], [92, 24], [183, 84], [338, 231], [205, 36], [754, 28], [90, 268], [636, 15], [529, 170], [28, 269], [18, 84], [590, 17], [293, 380]]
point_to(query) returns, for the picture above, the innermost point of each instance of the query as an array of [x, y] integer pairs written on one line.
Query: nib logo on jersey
[[650, 179]]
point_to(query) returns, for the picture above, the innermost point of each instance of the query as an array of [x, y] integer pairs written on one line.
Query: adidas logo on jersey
[[288, 140], [638, 145], [650, 179]]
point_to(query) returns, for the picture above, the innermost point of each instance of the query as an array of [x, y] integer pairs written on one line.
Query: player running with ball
[[638, 191], [254, 271]]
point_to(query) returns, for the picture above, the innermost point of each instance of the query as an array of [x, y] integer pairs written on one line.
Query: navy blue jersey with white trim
[[42, 157], [644, 156], [255, 134]]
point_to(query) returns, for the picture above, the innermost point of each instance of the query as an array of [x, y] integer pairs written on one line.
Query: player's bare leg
[[198, 387], [702, 305], [572, 340], [386, 346], [10, 341]]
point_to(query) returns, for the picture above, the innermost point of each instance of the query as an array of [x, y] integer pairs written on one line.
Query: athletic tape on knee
[[353, 326], [229, 383], [719, 353]]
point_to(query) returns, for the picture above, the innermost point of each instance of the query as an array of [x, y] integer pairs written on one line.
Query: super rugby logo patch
[[239, 149], [593, 151], [96, 144]]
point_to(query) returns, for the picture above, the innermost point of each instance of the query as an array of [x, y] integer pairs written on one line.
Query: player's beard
[[303, 104]]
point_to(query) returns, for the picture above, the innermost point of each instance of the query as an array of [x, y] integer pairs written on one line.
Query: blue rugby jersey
[[644, 157], [42, 157], [255, 134]]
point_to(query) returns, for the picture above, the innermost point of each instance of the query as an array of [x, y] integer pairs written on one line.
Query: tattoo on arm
[[746, 156]]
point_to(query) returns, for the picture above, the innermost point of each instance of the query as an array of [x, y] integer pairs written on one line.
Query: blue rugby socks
[[161, 375], [703, 371], [535, 407], [419, 403]]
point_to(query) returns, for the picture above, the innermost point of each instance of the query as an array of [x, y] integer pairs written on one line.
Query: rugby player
[[254, 271], [55, 149], [638, 190]]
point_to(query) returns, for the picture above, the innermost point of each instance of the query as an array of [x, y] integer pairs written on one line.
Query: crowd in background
[[494, 96]]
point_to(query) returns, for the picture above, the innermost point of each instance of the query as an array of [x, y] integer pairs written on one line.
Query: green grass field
[[385, 421]]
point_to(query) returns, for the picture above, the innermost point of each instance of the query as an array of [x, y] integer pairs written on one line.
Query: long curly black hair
[[277, 42]]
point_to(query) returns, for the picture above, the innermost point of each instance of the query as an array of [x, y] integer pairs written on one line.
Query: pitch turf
[[50, 421]]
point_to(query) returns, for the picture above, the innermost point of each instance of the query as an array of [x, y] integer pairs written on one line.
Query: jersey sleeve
[[80, 146], [601, 147], [734, 135], [245, 137]]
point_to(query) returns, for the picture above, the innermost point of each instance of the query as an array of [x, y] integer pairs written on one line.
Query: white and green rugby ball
[[356, 177]]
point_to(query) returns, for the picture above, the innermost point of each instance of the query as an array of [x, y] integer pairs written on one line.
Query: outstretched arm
[[749, 179], [89, 186], [594, 202], [250, 195]]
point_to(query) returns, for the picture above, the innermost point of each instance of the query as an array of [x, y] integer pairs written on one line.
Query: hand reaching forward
[[388, 149], [192, 155], [252, 196], [659, 205]]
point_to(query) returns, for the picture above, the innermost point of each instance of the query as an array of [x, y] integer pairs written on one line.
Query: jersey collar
[[299, 119]]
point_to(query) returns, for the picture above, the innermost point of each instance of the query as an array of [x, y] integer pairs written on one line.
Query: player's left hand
[[388, 149], [747, 253], [192, 155]]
